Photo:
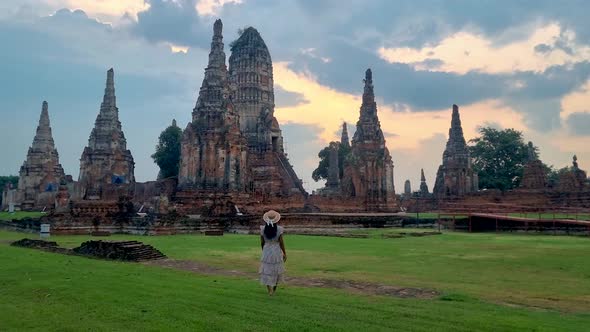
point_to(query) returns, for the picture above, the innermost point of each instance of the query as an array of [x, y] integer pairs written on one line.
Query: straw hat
[[271, 217]]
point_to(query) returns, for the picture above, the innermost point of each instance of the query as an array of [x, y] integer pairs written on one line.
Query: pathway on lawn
[[352, 286]]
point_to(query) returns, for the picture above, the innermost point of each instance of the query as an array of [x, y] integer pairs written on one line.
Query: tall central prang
[[213, 149], [251, 80]]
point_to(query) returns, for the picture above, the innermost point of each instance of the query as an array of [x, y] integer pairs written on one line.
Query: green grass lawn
[[532, 215], [432, 215], [489, 282], [550, 215], [20, 215]]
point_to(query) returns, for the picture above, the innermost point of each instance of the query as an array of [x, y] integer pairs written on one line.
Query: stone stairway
[[214, 229], [288, 169]]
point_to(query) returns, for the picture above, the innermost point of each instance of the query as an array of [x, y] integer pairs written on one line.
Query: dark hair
[[270, 231]]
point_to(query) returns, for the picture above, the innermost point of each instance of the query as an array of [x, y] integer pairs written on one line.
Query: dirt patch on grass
[[357, 287]]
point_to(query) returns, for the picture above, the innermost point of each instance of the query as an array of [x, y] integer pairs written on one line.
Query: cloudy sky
[[521, 64]]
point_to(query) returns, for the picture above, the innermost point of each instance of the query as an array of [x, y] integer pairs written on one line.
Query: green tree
[[5, 180], [553, 175], [321, 172], [167, 154], [499, 157]]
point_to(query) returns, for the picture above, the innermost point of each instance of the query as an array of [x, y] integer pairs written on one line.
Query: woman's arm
[[282, 244], [261, 242]]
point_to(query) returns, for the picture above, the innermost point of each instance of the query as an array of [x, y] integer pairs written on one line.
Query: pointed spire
[[456, 138], [456, 163], [43, 138], [368, 76], [217, 28], [456, 119], [109, 99], [174, 123], [423, 185], [368, 127], [41, 170], [344, 140], [214, 93], [368, 93], [44, 119], [107, 132], [216, 55], [106, 159]]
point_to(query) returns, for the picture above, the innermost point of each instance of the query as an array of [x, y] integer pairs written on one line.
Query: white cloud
[[105, 10], [311, 52], [576, 102], [211, 7], [467, 51], [178, 48]]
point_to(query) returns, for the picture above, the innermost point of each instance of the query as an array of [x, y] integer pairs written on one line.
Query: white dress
[[272, 267]]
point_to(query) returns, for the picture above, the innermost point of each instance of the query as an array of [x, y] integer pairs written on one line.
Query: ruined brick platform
[[133, 251], [37, 244], [119, 250]]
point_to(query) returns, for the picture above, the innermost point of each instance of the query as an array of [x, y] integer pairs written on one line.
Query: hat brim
[[266, 217]]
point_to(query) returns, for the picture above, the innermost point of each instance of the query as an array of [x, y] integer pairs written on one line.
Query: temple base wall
[[517, 200], [311, 224], [317, 203]]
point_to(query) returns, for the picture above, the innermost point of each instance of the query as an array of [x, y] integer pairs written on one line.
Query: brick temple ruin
[[106, 166], [423, 186], [534, 176], [232, 156], [252, 91], [455, 176], [213, 151], [367, 180], [233, 163], [41, 173]]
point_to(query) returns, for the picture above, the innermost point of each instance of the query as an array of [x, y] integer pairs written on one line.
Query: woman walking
[[273, 257]]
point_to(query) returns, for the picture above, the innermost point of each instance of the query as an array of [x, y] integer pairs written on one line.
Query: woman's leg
[[269, 289]]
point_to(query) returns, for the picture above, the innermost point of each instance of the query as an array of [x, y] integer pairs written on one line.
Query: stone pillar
[[333, 167]]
